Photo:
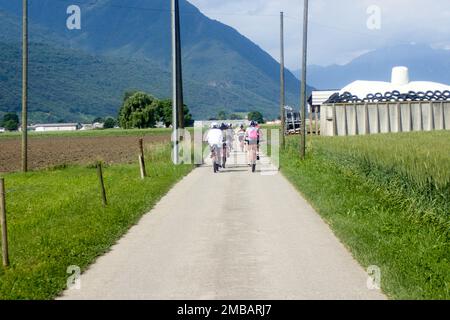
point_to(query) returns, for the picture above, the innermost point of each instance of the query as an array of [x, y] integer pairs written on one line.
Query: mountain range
[[76, 75], [424, 63]]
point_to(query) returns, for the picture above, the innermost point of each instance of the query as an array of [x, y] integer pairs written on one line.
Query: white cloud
[[338, 29]]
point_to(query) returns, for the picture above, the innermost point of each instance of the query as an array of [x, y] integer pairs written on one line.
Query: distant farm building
[[318, 98], [2, 130], [57, 127]]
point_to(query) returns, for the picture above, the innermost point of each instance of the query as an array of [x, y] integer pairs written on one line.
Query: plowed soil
[[57, 151]]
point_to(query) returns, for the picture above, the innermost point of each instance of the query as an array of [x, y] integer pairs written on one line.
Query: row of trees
[[251, 116], [142, 110]]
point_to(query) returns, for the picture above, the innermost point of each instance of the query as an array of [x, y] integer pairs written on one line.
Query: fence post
[[378, 119], [142, 159], [335, 129], [399, 118], [5, 253], [102, 183], [432, 120], [421, 116], [366, 119], [345, 120], [388, 110], [355, 119], [317, 120]]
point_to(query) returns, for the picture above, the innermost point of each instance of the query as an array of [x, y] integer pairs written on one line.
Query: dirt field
[[55, 151]]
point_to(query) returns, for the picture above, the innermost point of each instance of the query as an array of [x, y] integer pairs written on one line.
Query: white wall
[[373, 118], [49, 129]]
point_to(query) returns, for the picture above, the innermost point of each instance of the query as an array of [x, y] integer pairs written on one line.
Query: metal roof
[[52, 125], [320, 97]]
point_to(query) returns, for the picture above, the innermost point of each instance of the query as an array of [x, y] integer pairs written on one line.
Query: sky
[[339, 30]]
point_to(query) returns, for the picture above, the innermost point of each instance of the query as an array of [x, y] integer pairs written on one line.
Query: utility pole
[[303, 89], [177, 90], [282, 84], [25, 86]]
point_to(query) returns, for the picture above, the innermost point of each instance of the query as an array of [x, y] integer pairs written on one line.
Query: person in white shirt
[[215, 141]]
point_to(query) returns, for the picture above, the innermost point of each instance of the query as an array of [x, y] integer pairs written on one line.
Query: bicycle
[[224, 157], [215, 156]]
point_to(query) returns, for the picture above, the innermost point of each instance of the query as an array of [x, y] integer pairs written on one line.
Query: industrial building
[[370, 107]]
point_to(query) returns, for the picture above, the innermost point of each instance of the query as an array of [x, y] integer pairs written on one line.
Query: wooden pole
[[282, 84], [102, 183], [25, 85], [142, 159], [177, 82], [303, 88], [5, 253]]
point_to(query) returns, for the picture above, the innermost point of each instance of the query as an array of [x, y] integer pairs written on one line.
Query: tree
[[138, 111], [98, 120], [256, 116], [109, 123], [141, 110], [10, 121], [164, 113], [222, 115], [128, 94]]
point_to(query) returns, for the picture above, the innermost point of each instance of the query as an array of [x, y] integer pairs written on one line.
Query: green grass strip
[[56, 219], [403, 230]]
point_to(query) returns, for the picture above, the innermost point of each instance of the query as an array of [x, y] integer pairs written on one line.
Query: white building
[[57, 127], [318, 98], [377, 110], [2, 130], [399, 82]]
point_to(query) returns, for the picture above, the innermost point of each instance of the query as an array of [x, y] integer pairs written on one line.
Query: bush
[[10, 121], [109, 123], [256, 116]]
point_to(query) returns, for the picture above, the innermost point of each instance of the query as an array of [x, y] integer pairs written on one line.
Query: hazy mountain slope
[[424, 63], [222, 69]]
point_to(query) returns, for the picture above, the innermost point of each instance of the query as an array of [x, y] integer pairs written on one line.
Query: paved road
[[234, 235]]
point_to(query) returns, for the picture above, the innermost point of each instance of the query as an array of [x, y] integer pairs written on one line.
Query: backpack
[[253, 134]]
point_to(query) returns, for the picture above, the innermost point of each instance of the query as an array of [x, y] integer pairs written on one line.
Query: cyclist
[[259, 139], [252, 135], [215, 141], [241, 137]]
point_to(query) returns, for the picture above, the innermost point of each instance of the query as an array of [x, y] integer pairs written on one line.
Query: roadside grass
[[387, 198], [56, 219], [91, 133]]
